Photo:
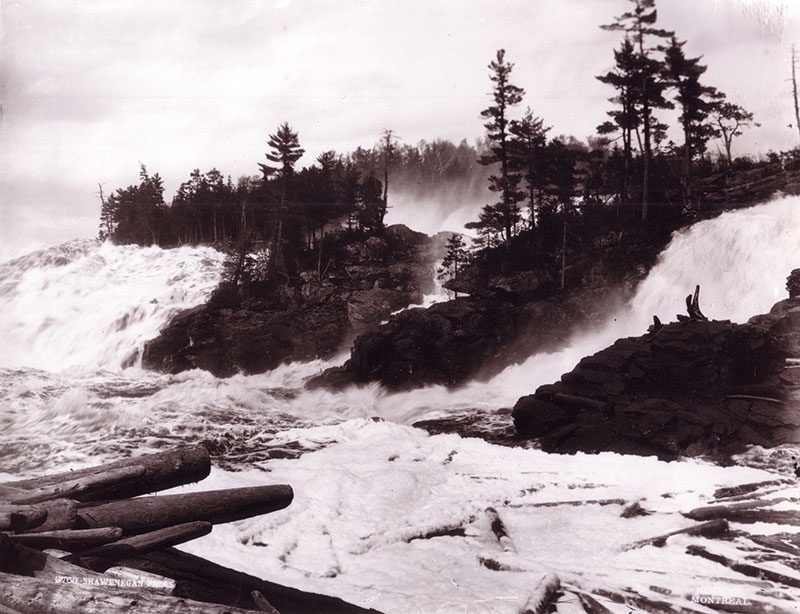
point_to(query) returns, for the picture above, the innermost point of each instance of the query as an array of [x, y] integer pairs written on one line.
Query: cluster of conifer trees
[[541, 184], [350, 190]]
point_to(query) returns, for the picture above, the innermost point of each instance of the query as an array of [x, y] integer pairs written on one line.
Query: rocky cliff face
[[470, 337], [369, 280], [689, 388]]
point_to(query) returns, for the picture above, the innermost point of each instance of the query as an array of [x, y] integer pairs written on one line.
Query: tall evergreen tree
[[389, 155], [285, 151], [529, 137], [639, 25], [695, 100], [505, 95], [625, 79], [456, 257], [349, 187]]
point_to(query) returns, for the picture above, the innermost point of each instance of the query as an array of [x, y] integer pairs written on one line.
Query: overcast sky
[[91, 88]]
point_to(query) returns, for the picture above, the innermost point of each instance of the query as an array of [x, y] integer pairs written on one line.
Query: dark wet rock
[[793, 284], [470, 337], [227, 342], [308, 319], [692, 388]]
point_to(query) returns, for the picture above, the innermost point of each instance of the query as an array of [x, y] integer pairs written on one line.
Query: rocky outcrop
[[688, 388], [363, 284], [470, 337]]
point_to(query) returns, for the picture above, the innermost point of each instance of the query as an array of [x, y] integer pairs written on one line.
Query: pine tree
[[456, 257], [389, 154], [527, 156], [639, 26], [729, 120], [505, 95], [625, 79], [286, 151], [349, 187], [695, 100]]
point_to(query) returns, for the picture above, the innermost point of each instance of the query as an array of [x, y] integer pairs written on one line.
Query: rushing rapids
[[75, 319]]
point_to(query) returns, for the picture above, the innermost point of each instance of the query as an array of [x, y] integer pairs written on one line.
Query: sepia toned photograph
[[400, 306]]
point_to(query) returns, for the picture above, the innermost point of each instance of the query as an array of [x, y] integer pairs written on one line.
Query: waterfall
[[90, 305]]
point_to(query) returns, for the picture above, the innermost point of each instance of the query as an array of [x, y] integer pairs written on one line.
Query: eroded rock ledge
[[692, 388], [365, 282]]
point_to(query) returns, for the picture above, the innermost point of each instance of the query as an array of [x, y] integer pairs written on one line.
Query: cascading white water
[[92, 306], [365, 489]]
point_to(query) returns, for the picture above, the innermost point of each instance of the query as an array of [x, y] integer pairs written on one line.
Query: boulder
[[685, 389], [367, 307], [793, 284], [470, 337]]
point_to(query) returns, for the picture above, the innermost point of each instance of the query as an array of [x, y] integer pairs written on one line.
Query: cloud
[[90, 88]]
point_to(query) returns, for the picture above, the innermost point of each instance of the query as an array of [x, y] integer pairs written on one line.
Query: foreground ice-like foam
[[365, 504]]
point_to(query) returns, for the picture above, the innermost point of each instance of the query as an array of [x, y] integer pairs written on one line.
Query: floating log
[[787, 517], [102, 557], [783, 542], [202, 579], [61, 514], [157, 512], [78, 487], [96, 596], [542, 596], [499, 530], [713, 528], [745, 568], [591, 605], [68, 539], [729, 510], [745, 489], [7, 491], [19, 559], [163, 470], [574, 503], [21, 517]]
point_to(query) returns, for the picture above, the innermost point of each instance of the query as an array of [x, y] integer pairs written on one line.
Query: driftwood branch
[[730, 510], [499, 530], [18, 559], [712, 528], [543, 595], [69, 539], [33, 595], [747, 569], [693, 307], [102, 557], [21, 517], [61, 514], [157, 512], [163, 470], [79, 487]]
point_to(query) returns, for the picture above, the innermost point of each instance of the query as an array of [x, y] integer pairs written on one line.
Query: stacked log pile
[[88, 541]]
